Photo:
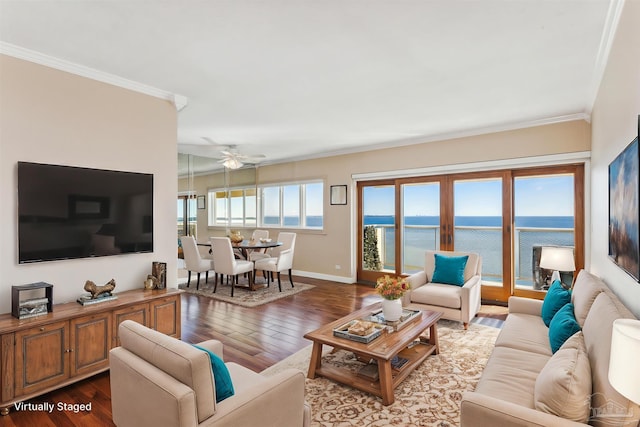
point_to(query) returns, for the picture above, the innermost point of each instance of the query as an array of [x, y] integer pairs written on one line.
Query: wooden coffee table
[[381, 349]]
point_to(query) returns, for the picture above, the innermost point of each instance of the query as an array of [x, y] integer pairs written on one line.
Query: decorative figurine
[[152, 282], [96, 291]]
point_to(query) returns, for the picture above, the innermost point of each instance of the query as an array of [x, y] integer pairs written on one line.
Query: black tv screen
[[67, 212]]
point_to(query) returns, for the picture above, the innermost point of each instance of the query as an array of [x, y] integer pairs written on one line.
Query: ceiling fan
[[229, 155], [233, 159]]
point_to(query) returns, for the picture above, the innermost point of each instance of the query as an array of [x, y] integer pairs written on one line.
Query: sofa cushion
[[437, 294], [221, 376], [585, 290], [557, 296], [449, 269], [563, 325], [597, 338], [563, 387], [503, 368], [525, 332]]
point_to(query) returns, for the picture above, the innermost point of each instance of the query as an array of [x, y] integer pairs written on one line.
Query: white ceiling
[[298, 79]]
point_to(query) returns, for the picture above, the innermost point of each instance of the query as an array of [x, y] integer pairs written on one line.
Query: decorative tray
[[343, 332], [408, 316]]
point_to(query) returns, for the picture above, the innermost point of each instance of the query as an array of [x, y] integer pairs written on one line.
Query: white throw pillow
[[563, 386]]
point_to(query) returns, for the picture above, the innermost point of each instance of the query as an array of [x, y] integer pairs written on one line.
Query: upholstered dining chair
[[226, 262], [280, 259], [194, 261], [259, 253]]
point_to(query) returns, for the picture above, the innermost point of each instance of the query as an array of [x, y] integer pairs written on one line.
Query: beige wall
[[318, 253], [615, 124], [50, 116]]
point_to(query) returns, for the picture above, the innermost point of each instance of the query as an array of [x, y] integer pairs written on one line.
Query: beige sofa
[[157, 380], [509, 388], [459, 303]]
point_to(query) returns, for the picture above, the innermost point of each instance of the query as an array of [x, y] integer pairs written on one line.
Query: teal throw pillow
[[221, 376], [449, 269], [557, 296], [562, 327]]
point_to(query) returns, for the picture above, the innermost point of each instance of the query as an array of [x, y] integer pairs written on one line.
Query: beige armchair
[[460, 303], [157, 380]]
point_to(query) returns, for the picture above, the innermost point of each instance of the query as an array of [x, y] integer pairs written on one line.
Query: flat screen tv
[[67, 212]]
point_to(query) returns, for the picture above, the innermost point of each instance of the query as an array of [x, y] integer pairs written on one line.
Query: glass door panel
[[420, 223], [187, 216], [478, 224], [544, 216], [379, 228]]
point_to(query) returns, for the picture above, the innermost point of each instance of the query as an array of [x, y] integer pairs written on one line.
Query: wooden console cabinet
[[71, 343]]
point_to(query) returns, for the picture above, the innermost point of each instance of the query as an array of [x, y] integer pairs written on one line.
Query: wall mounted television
[[67, 212]]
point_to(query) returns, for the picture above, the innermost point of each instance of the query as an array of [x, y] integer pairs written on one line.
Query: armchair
[[157, 380], [459, 303]]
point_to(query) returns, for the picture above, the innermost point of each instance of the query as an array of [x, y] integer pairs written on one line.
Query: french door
[[505, 216]]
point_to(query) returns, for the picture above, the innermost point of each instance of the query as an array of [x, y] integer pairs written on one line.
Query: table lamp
[[557, 258], [624, 370]]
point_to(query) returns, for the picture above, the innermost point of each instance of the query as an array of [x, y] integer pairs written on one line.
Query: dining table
[[245, 247]]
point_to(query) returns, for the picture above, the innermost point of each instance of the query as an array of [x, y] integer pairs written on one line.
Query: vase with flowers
[[391, 289]]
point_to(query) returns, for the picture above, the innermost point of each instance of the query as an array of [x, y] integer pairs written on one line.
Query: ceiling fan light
[[232, 163]]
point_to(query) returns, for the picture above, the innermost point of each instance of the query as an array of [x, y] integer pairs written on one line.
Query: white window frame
[[212, 211], [302, 200]]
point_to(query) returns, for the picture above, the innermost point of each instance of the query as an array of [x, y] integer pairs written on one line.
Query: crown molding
[[608, 34], [503, 127], [512, 163], [91, 73]]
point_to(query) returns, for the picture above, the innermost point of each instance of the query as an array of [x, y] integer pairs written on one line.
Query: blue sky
[[534, 196]]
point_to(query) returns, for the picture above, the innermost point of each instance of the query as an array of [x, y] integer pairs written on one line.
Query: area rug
[[243, 296], [429, 396]]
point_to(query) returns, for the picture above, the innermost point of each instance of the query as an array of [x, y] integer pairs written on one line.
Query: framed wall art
[[624, 214], [338, 195]]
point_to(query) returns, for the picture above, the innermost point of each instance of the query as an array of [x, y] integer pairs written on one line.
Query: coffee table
[[381, 349]]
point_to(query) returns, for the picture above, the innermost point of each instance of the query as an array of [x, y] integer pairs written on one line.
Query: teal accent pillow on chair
[[221, 376], [562, 327], [557, 296], [449, 269]]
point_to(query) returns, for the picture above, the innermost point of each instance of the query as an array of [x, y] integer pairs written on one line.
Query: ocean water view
[[481, 234], [476, 221]]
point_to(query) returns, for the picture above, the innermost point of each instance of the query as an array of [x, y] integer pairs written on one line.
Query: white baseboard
[[182, 278], [312, 275]]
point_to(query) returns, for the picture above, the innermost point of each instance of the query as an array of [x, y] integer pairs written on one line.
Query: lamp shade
[[624, 369], [559, 258]]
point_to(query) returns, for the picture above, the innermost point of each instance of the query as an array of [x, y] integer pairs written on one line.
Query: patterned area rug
[[429, 396], [243, 296]]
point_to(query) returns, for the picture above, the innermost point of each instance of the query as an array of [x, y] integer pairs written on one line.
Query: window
[[293, 205], [235, 207], [504, 215], [297, 205]]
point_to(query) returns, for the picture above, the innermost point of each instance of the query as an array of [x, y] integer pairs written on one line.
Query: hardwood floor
[[253, 337]]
